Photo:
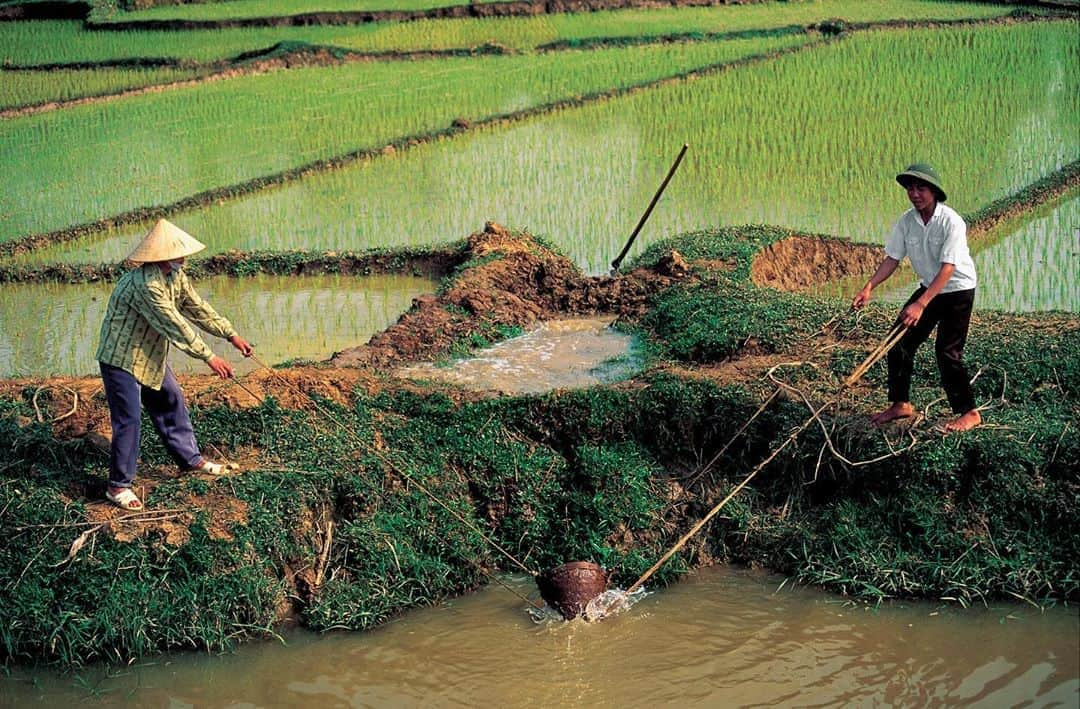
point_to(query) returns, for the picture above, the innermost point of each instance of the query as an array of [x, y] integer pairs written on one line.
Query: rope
[[390, 464], [61, 417], [880, 351]]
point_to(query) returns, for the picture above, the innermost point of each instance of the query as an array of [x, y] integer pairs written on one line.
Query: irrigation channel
[[722, 636]]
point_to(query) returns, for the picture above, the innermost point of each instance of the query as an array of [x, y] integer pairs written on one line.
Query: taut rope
[[878, 352]]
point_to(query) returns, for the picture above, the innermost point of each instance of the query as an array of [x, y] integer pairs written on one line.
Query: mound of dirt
[[510, 281], [800, 262]]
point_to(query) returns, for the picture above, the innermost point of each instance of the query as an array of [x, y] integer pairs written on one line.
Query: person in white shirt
[[934, 238]]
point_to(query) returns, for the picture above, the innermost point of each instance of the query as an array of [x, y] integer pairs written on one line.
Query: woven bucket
[[570, 587]]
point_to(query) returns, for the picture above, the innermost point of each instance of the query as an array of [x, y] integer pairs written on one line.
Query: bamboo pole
[[876, 354], [648, 210]]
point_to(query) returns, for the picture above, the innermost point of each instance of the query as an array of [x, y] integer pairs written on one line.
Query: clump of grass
[[713, 321]]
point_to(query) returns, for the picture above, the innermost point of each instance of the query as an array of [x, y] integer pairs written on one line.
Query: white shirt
[[928, 246]]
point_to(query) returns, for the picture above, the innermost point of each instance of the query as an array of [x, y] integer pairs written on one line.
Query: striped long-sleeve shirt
[[146, 313]]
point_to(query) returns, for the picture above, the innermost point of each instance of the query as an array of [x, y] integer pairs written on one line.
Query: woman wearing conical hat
[[934, 238], [152, 308]]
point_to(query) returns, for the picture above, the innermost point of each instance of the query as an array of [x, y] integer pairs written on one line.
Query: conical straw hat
[[165, 242]]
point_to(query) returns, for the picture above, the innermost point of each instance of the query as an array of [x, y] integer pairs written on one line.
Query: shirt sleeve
[[152, 301], [895, 247], [955, 248], [201, 313]]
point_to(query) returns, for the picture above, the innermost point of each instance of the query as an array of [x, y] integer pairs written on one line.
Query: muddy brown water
[[720, 637], [571, 353]]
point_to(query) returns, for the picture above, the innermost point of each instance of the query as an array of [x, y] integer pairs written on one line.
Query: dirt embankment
[[510, 282], [801, 262], [284, 526]]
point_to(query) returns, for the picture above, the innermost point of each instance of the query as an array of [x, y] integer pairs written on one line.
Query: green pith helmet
[[922, 171]]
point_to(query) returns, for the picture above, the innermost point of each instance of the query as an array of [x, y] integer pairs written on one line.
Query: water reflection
[[53, 328], [721, 637]]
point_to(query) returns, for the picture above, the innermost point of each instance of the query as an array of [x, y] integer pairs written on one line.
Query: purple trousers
[[167, 410]]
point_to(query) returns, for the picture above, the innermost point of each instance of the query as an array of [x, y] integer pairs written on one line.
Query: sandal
[[125, 499], [213, 468]]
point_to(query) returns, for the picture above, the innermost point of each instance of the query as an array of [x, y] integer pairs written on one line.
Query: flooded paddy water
[[50, 328], [720, 637]]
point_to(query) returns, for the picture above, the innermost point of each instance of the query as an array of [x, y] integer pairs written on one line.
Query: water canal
[[720, 637]]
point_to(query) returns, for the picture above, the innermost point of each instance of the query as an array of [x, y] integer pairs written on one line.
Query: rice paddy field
[[36, 87], [62, 337], [274, 8], [64, 41], [565, 130]]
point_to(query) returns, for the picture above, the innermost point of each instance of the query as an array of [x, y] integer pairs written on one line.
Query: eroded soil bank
[[353, 490]]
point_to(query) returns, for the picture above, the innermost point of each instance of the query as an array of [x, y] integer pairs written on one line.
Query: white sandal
[[125, 499], [213, 468]]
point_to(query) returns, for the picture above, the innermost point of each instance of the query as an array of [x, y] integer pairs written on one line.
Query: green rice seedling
[[68, 167], [239, 9], [32, 88], [524, 34], [809, 141], [46, 42]]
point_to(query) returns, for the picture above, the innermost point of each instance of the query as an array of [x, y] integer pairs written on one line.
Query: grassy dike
[[326, 524]]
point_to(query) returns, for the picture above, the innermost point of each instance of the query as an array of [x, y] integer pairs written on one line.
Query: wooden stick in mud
[[648, 210]]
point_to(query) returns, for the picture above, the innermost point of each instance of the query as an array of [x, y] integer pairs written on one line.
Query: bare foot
[[899, 410], [964, 422]]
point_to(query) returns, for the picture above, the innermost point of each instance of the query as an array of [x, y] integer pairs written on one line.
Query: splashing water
[[571, 353], [611, 602]]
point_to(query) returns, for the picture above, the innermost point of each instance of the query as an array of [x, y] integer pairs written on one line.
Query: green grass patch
[[586, 475]]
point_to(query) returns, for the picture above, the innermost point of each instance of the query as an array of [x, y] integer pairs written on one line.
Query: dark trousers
[[167, 411], [951, 313]]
